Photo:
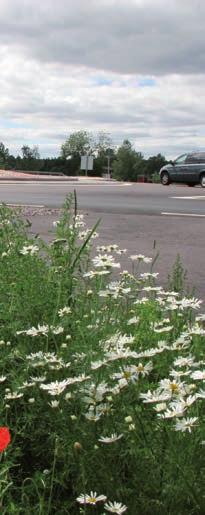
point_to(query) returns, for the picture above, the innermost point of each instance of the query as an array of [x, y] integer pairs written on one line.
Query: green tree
[[11, 163], [4, 155], [153, 165], [78, 144], [30, 158], [125, 166], [35, 152], [105, 153], [30, 153], [103, 143]]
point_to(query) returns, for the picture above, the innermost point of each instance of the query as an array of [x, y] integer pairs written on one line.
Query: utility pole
[[108, 163], [86, 166]]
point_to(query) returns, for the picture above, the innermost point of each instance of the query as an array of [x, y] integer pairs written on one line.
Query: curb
[[80, 181], [48, 179]]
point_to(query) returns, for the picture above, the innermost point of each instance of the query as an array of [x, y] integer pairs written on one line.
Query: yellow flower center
[[140, 368], [92, 500], [174, 387], [127, 374]]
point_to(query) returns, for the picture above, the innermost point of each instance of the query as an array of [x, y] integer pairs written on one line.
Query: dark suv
[[188, 169]]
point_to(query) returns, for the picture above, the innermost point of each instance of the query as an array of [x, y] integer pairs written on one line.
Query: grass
[[101, 381]]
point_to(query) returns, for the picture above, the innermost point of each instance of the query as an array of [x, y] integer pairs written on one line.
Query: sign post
[[86, 163]]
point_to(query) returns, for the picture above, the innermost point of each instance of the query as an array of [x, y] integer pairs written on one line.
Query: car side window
[[201, 157], [180, 160], [197, 158], [191, 159]]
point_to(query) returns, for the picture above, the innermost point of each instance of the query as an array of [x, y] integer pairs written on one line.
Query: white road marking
[[23, 205], [202, 197], [182, 214], [25, 183], [68, 183]]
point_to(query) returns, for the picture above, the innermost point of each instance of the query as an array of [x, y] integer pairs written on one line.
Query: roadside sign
[[86, 163]]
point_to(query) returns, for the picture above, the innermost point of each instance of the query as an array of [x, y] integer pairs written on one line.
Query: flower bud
[[77, 446], [128, 419]]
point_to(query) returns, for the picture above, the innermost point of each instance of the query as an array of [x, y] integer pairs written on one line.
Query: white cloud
[[132, 68]]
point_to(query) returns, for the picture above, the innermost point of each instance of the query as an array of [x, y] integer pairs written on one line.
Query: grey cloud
[[150, 37], [137, 115]]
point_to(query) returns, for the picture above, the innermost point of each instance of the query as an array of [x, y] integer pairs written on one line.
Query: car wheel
[[202, 180], [165, 179], [191, 185]]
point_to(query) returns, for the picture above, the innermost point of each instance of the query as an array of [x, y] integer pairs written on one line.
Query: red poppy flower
[[5, 438]]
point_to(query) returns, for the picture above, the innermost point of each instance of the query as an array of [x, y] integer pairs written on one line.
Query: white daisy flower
[[121, 354], [147, 275], [54, 404], [143, 370], [143, 300], [93, 416], [121, 251], [94, 393], [160, 407], [55, 388], [172, 387], [38, 379], [64, 311], [105, 260], [176, 410], [198, 375], [97, 364], [190, 400], [165, 329], [150, 352], [115, 507], [152, 397], [201, 394], [91, 498], [182, 361], [189, 303], [133, 320], [110, 439], [57, 330], [29, 249], [197, 330], [26, 385], [126, 375], [178, 373], [140, 257], [35, 331], [186, 424], [13, 396]]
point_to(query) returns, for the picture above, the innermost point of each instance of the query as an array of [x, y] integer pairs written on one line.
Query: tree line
[[124, 162]]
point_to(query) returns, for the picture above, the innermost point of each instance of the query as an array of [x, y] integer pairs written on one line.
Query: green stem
[[52, 475], [190, 489], [57, 302]]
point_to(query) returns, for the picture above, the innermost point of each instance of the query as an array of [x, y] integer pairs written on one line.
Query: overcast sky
[[134, 68]]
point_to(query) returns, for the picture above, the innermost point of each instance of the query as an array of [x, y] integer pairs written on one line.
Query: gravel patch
[[38, 211]]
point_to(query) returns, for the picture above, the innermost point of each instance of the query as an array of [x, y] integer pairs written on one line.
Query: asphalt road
[[138, 217], [151, 199]]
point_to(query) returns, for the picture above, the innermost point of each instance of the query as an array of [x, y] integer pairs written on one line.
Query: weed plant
[[102, 381]]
